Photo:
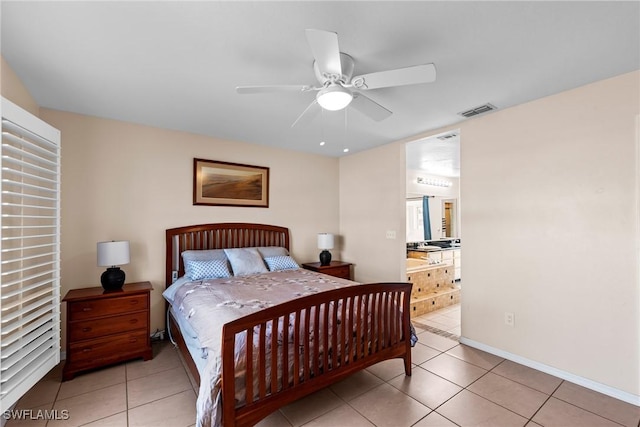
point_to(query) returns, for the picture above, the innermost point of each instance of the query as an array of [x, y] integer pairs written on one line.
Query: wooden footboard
[[313, 342]]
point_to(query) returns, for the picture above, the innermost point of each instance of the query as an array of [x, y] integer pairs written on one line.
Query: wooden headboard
[[218, 236]]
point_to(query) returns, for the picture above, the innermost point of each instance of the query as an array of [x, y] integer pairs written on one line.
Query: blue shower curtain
[[425, 218]]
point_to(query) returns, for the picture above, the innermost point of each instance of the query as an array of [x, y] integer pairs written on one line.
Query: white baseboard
[[584, 382]]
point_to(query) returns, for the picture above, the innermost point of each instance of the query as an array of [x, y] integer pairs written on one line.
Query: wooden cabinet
[[335, 269], [105, 327]]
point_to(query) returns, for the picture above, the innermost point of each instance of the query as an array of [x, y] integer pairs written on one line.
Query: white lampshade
[[325, 241], [334, 98], [113, 253]]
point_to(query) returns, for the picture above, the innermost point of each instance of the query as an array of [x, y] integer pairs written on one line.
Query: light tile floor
[[445, 320], [451, 384]]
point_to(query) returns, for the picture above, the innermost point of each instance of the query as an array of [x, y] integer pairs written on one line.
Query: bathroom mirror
[[443, 218]]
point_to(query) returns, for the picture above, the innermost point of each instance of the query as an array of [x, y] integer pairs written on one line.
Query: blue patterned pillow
[[208, 269], [277, 263], [201, 255]]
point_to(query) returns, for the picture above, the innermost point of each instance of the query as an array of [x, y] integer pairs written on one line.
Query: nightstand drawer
[[343, 272], [107, 347], [96, 328], [338, 269], [82, 310]]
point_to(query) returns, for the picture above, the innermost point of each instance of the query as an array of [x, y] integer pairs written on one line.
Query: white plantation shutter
[[29, 252]]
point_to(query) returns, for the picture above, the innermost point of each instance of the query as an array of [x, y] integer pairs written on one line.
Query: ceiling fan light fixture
[[334, 97]]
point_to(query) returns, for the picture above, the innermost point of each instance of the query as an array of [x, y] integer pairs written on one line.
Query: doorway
[[432, 190], [449, 223]]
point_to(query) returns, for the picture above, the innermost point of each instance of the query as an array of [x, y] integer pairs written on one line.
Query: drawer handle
[[86, 309], [87, 349], [133, 321], [86, 329], [134, 301], [132, 340]]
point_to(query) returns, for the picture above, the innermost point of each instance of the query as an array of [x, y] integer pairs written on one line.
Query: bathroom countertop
[[434, 249]]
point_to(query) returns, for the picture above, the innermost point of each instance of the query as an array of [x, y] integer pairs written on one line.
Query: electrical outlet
[[391, 234], [509, 319]]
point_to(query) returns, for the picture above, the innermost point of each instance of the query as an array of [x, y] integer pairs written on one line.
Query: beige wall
[[372, 202], [549, 201], [550, 231], [14, 90], [131, 182]]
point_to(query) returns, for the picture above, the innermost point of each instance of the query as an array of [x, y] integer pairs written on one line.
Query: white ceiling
[[175, 65], [436, 155]]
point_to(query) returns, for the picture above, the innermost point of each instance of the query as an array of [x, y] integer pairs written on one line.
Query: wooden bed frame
[[379, 325]]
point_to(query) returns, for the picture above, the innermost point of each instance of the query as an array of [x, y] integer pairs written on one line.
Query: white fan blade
[[369, 107], [402, 76], [325, 50], [308, 114], [270, 89]]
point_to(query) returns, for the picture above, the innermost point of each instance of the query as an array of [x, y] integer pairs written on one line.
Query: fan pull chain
[[322, 141], [345, 149]]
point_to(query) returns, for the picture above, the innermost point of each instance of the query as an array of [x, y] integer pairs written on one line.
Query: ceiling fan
[[338, 88]]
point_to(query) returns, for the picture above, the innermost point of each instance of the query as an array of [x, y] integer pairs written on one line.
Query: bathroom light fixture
[[111, 255], [434, 182], [334, 97]]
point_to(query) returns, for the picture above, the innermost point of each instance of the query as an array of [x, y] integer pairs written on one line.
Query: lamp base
[[325, 257], [112, 279]]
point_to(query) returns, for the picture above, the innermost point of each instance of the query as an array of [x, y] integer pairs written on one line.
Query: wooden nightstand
[[335, 268], [105, 327]]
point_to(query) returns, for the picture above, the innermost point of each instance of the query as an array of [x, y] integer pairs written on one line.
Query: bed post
[[406, 319]]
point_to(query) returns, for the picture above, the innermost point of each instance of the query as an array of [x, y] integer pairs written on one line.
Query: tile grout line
[[544, 403], [433, 373], [55, 399], [523, 384], [509, 379], [470, 391], [453, 337], [580, 407], [126, 390], [379, 385]]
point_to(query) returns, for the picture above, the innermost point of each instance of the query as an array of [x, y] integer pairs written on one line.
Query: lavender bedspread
[[209, 304]]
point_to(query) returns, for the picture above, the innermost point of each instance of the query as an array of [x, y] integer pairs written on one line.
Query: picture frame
[[217, 183]]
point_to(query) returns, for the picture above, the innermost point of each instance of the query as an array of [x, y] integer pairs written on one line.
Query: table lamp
[[325, 242], [111, 255]]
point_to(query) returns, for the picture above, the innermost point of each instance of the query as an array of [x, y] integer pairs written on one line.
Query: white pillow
[[245, 261], [269, 251], [278, 263]]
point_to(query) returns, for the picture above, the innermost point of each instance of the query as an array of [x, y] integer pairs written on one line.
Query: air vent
[[447, 136], [478, 110]]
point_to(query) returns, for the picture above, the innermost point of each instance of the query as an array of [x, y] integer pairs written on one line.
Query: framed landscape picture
[[230, 184]]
